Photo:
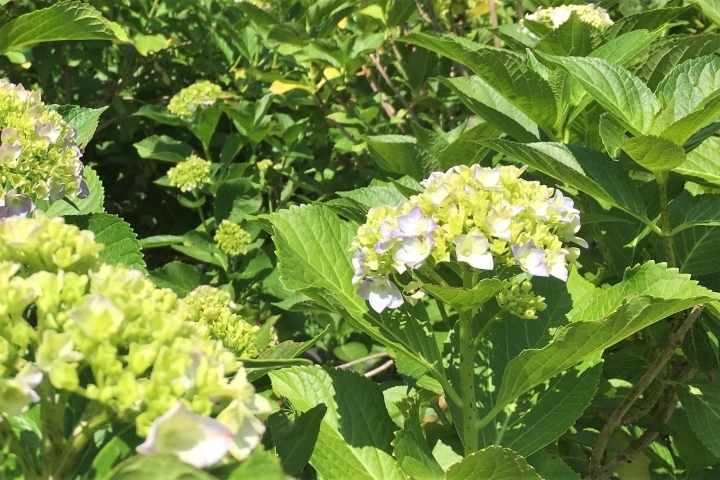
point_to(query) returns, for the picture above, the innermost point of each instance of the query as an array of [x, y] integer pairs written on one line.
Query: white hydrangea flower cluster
[[555, 16], [481, 217], [39, 156]]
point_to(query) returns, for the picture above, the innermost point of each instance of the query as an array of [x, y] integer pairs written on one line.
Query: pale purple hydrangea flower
[[381, 293], [15, 205], [530, 259], [414, 251], [473, 249], [414, 224]]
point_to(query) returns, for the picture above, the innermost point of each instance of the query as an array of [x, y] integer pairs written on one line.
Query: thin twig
[[363, 360], [337, 125], [493, 21], [674, 341], [432, 20], [380, 369], [383, 73]]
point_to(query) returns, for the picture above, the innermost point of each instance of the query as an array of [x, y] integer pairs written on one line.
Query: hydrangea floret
[[39, 155], [191, 174], [232, 238], [189, 99], [214, 312], [70, 324], [482, 219], [555, 16]]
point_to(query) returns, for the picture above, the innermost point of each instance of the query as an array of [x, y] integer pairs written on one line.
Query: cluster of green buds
[[39, 156], [519, 300], [555, 16], [191, 174], [232, 238], [69, 323], [487, 219], [214, 311], [197, 95]]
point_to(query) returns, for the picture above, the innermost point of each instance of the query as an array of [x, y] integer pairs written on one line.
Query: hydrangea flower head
[[191, 174], [39, 155], [555, 16], [213, 310], [189, 99], [479, 217], [232, 238]]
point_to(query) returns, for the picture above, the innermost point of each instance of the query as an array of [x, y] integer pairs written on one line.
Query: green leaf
[[160, 114], [690, 84], [624, 48], [162, 147], [706, 115], [146, 44], [571, 39], [92, 204], [119, 448], [179, 277], [466, 149], [701, 403], [703, 210], [260, 465], [617, 90], [649, 20], [284, 350], [595, 332], [703, 163], [670, 51], [412, 451], [492, 463], [163, 468], [612, 135], [711, 9], [485, 102], [463, 299], [84, 120], [552, 410], [121, 244], [62, 21], [552, 467], [235, 197], [587, 170], [657, 154], [504, 71], [694, 246], [205, 122], [295, 441], [699, 349], [157, 241], [356, 432], [376, 195], [397, 154]]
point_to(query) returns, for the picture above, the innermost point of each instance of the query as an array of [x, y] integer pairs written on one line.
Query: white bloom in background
[[195, 439], [473, 249], [487, 177], [381, 293], [530, 259]]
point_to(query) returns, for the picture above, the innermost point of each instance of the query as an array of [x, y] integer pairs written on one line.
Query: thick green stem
[[52, 420], [467, 376], [78, 441], [467, 383], [665, 226]]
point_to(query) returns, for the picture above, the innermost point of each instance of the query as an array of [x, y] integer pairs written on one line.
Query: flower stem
[[665, 226], [467, 377], [486, 328], [13, 445]]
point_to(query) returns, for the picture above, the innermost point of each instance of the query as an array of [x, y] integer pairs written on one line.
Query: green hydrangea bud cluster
[[191, 174], [476, 216], [556, 16], [187, 101], [142, 348], [213, 310], [519, 300], [232, 238], [39, 156], [40, 244]]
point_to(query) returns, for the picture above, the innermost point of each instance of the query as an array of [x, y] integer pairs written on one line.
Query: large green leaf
[[504, 71], [482, 100], [694, 246], [92, 204], [465, 299], [689, 85], [583, 339], [701, 403], [624, 48], [181, 278], [650, 20], [121, 244], [684, 130], [397, 154], [356, 432], [259, 465], [412, 451], [703, 210], [162, 147], [294, 441], [703, 163], [657, 154], [63, 21], [492, 463], [376, 195], [670, 51], [617, 90], [467, 149], [571, 39], [237, 197], [587, 170], [83, 120], [711, 9]]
